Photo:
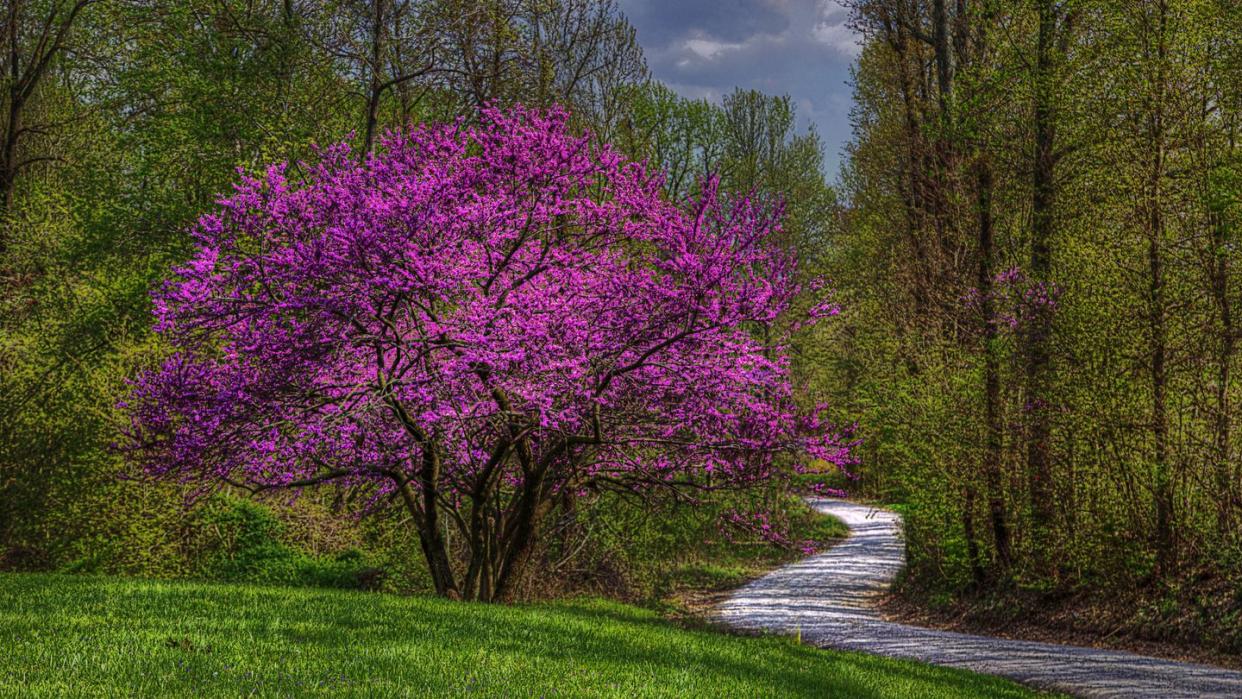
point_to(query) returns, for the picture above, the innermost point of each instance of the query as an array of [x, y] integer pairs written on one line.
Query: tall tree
[[476, 333], [35, 34], [1055, 29]]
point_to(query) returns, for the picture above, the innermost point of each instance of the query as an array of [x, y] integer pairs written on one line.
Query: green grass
[[86, 636], [727, 566], [826, 528]]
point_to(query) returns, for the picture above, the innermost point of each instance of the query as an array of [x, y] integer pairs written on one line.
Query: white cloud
[[831, 28], [710, 48]]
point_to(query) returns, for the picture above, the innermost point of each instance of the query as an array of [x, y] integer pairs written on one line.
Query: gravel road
[[830, 598]]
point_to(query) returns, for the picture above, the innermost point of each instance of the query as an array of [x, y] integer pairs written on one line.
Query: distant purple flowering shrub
[[1016, 300]]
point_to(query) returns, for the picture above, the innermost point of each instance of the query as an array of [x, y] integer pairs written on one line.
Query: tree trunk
[[1037, 335], [1162, 477], [944, 57], [424, 509], [911, 195], [519, 536], [479, 570], [12, 127], [1162, 480], [992, 457], [977, 573], [1226, 485], [8, 160], [376, 89]]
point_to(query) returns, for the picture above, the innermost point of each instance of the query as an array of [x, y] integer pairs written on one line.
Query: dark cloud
[[802, 48]]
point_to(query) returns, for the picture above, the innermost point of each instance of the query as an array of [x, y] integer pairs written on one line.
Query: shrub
[[238, 540]]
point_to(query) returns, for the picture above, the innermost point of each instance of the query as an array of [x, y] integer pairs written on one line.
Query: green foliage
[[947, 201], [242, 541], [749, 140], [92, 231], [104, 637], [645, 553], [708, 576], [908, 252]]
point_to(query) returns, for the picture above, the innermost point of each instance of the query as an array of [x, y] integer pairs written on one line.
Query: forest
[[1039, 254], [1031, 252]]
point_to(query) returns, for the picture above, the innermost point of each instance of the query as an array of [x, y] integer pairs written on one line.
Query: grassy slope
[[704, 577], [85, 636]]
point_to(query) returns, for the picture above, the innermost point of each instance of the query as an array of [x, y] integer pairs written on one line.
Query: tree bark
[[1037, 335], [977, 573], [424, 509], [13, 124], [376, 89], [911, 184], [518, 537], [944, 57], [1226, 485], [992, 456], [1162, 476]]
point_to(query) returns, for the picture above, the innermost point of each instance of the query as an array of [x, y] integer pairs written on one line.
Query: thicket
[[1039, 261]]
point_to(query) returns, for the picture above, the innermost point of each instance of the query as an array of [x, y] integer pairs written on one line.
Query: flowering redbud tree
[[478, 324]]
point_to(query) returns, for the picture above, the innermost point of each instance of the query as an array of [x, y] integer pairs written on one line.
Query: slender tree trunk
[[8, 159], [1162, 477], [1037, 335], [1162, 480], [943, 158], [13, 123], [911, 183], [375, 92], [432, 535], [479, 569], [992, 456], [944, 57], [424, 509], [977, 572], [1226, 485]]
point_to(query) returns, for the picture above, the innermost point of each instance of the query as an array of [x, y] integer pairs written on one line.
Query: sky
[[800, 48]]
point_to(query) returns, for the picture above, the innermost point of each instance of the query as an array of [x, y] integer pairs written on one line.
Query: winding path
[[830, 596]]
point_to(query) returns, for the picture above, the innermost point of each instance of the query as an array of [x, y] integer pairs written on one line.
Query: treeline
[[124, 119], [1040, 263]]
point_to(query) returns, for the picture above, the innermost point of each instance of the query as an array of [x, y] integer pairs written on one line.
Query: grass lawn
[[85, 636]]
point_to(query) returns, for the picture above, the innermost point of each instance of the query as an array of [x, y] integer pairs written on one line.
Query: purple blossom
[[494, 298], [1015, 300]]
